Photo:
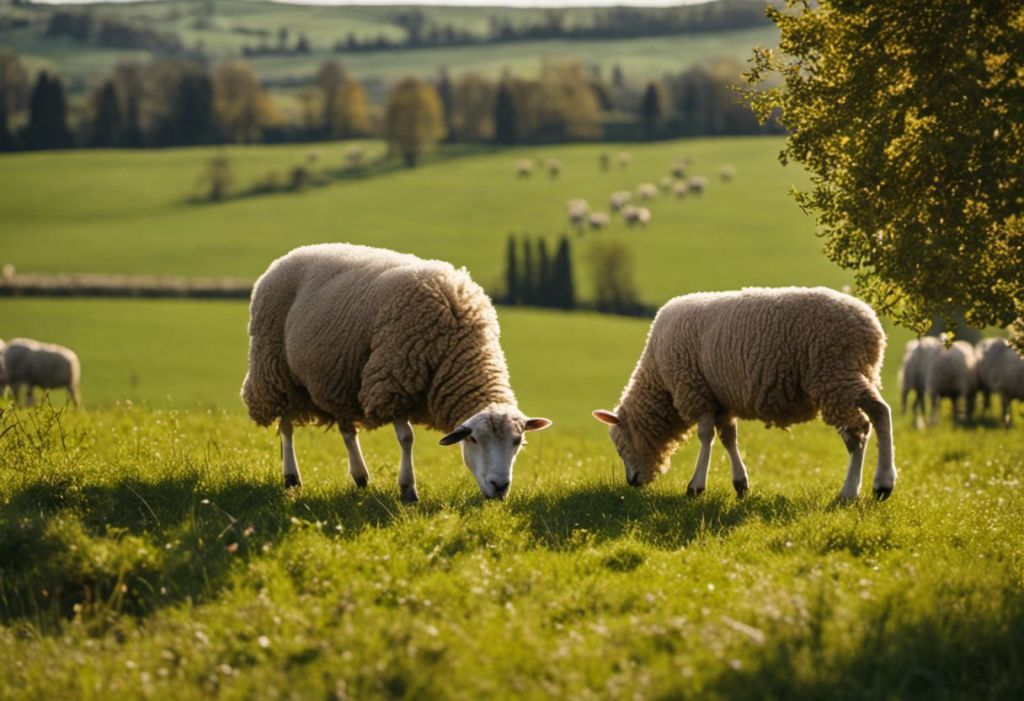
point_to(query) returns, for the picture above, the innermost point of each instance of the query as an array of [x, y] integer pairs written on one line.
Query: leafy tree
[[506, 125], [48, 113], [513, 292], [13, 95], [415, 119], [910, 118], [567, 105], [611, 269], [242, 107], [107, 124], [473, 107], [650, 111], [345, 107]]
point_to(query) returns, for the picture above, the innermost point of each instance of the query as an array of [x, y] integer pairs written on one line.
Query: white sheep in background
[[913, 373], [665, 184], [696, 184], [678, 170], [680, 189], [524, 168], [1001, 371], [29, 364], [578, 210], [599, 220], [633, 215], [951, 373], [726, 173], [355, 336], [619, 199], [775, 355], [645, 192], [624, 159], [553, 166]]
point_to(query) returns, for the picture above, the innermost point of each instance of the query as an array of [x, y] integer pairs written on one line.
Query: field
[[148, 549]]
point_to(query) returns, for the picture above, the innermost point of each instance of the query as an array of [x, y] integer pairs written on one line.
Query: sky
[[468, 3]]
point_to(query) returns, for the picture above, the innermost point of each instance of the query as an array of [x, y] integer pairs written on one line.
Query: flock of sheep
[[959, 372], [631, 205], [27, 364]]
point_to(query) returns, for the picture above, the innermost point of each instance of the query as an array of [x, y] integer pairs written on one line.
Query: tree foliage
[[415, 119], [910, 118]]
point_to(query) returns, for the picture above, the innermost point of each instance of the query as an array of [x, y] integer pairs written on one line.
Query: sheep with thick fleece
[[599, 220], [619, 199], [646, 191], [633, 215], [578, 210], [1001, 370], [913, 373], [32, 364], [951, 373], [354, 336], [777, 355], [524, 168]]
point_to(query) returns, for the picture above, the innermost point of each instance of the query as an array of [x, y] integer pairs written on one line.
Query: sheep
[[726, 173], [524, 168], [624, 159], [32, 364], [646, 192], [779, 355], [951, 373], [599, 220], [554, 167], [604, 161], [696, 184], [1001, 370], [913, 371], [680, 189], [619, 199], [678, 170], [578, 210], [636, 215], [665, 184], [353, 336]]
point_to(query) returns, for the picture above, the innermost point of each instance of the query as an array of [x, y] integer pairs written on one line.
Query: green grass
[[114, 211], [149, 554]]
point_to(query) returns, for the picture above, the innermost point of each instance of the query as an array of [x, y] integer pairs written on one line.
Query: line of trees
[[534, 277]]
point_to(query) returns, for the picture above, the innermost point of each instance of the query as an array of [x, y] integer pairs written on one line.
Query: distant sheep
[[665, 184], [578, 211], [774, 355], [913, 373], [524, 168], [646, 192], [354, 336], [1000, 369], [726, 173], [604, 161], [624, 159], [29, 364], [696, 184], [619, 199], [951, 373], [633, 215], [680, 189], [678, 170], [553, 166], [599, 220]]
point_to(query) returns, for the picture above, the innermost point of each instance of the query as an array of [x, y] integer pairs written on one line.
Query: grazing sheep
[[633, 215], [678, 170], [696, 184], [775, 355], [680, 189], [599, 220], [624, 159], [524, 168], [951, 373], [726, 173], [604, 161], [646, 192], [553, 167], [1001, 370], [578, 210], [356, 336], [619, 199], [913, 373], [665, 184], [32, 364]]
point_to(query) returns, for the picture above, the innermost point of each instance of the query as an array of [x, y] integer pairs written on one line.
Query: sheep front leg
[[706, 434], [856, 439], [727, 432], [880, 417], [406, 476], [291, 465], [1007, 405], [356, 464]]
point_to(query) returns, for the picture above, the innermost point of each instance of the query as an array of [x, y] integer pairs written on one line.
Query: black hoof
[[292, 481], [361, 482], [741, 488], [883, 493], [692, 491], [409, 495]]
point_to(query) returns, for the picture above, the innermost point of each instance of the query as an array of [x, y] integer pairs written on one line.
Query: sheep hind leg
[[290, 464], [406, 475], [856, 440], [727, 432], [706, 434], [356, 464], [880, 416]]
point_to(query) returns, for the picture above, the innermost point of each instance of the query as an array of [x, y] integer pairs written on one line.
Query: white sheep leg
[[291, 465], [728, 433], [706, 434], [855, 443], [933, 419], [356, 464], [880, 417], [1007, 405], [406, 476]]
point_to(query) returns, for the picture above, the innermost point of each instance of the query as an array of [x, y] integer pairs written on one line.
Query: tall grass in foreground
[[150, 554]]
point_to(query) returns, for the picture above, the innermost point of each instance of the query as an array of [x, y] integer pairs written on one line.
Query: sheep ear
[[606, 417], [537, 424], [459, 434]]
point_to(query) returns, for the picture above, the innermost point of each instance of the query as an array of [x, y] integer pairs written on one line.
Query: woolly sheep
[[678, 170], [679, 190], [726, 173], [619, 199], [636, 215], [599, 220], [524, 168], [553, 167], [775, 355], [355, 336], [32, 364], [951, 373], [665, 184], [624, 159], [646, 192], [578, 209], [1000, 369], [913, 372], [696, 184]]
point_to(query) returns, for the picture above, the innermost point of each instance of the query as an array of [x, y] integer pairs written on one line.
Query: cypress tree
[[650, 111], [106, 127], [544, 276], [565, 296], [444, 92], [506, 127], [529, 279], [194, 121], [513, 294], [47, 125]]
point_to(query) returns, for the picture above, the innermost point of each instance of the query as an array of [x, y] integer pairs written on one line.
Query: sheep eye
[[517, 440], [471, 439]]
